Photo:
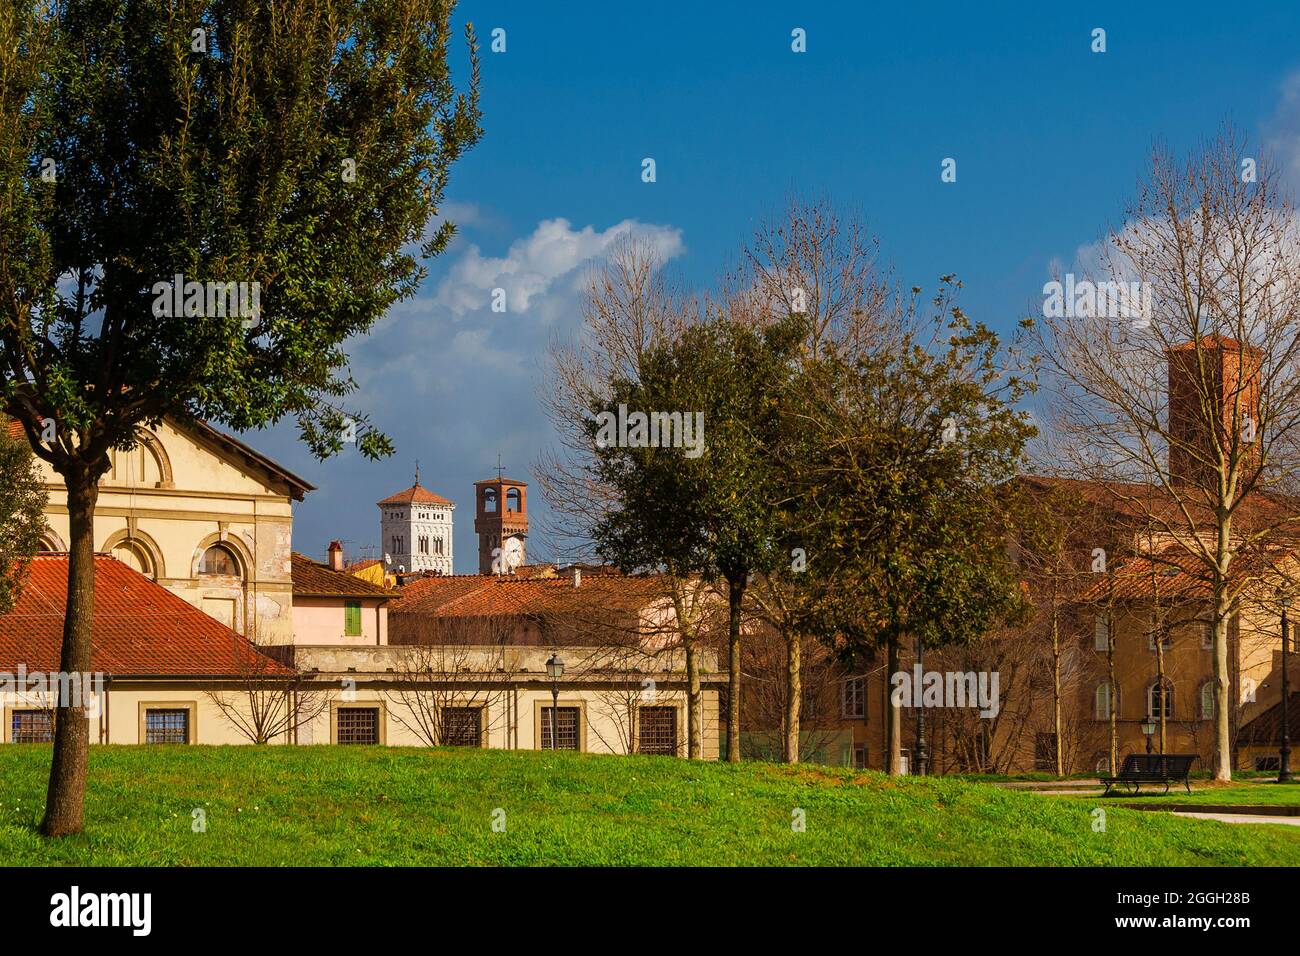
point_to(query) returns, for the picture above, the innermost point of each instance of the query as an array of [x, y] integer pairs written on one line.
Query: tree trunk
[[735, 598], [1114, 693], [1160, 683], [1222, 730], [64, 799], [794, 695], [1056, 688], [694, 738], [893, 715]]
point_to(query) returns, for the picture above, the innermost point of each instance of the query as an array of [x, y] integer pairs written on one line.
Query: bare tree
[[817, 683], [271, 699], [1183, 395], [452, 677]]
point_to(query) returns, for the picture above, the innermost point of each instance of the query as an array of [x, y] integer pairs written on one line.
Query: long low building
[[165, 672]]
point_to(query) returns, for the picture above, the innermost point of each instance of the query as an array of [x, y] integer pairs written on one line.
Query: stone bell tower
[[501, 522]]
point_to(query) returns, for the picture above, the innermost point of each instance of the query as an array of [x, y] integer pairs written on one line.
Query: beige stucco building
[[205, 516]]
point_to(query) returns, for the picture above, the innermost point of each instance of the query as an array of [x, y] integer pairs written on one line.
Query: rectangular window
[[658, 731], [357, 725], [565, 725], [166, 726], [1207, 636], [31, 727], [853, 702], [1101, 633], [860, 756], [1103, 702], [462, 726], [1045, 752], [352, 619]]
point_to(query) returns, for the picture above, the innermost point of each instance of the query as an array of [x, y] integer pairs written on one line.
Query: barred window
[[357, 725], [462, 726], [166, 726], [31, 727], [658, 731], [566, 728], [853, 702]]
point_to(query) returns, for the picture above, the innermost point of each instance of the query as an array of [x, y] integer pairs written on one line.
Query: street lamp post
[[1284, 764], [1149, 729], [555, 668]]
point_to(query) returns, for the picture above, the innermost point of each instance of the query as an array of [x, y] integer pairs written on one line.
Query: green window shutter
[[352, 619]]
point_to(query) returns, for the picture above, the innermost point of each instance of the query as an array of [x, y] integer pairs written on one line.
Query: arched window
[[1102, 699], [1160, 699], [1207, 700], [490, 500], [136, 556], [514, 500], [219, 561]]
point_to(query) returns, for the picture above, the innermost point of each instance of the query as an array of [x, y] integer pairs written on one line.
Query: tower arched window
[[490, 501], [514, 500]]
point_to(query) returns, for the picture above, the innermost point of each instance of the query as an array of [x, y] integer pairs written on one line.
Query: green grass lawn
[[354, 805], [1232, 794]]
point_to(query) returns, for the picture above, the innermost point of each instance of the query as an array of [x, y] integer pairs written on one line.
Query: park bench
[[1152, 768]]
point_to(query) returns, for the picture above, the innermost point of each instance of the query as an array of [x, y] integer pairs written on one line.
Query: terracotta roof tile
[[312, 579], [416, 495], [139, 627]]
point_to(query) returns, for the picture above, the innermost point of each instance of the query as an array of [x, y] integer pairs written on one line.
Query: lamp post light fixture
[[1149, 728], [555, 668], [1284, 763]]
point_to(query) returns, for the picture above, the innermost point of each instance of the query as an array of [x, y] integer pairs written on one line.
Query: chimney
[[577, 576], [1213, 405], [336, 555]]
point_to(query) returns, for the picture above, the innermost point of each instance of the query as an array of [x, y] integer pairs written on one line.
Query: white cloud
[[454, 383], [534, 264]]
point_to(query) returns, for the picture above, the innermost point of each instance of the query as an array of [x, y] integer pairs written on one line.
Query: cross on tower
[[500, 470]]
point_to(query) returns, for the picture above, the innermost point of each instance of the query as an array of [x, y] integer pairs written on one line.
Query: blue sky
[[1049, 140]]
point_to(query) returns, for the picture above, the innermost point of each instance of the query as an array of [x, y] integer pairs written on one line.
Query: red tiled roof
[[1175, 574], [139, 628], [312, 579], [479, 595], [416, 495]]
